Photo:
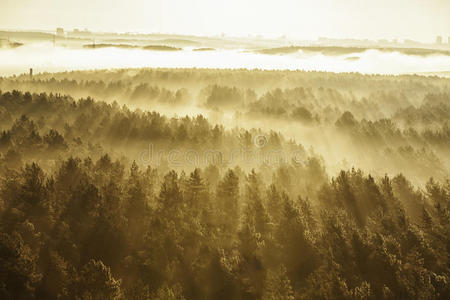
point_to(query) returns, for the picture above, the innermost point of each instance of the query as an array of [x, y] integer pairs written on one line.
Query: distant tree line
[[33, 125]]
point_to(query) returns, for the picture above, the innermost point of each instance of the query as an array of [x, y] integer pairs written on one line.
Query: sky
[[421, 20]]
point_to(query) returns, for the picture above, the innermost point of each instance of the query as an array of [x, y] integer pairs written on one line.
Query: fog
[[202, 179], [45, 57]]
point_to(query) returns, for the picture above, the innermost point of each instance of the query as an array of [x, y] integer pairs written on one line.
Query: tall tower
[[31, 72], [439, 39]]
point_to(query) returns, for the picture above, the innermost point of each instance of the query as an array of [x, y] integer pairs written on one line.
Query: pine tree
[[170, 197], [96, 282], [137, 204], [274, 203], [278, 286], [227, 209], [255, 238]]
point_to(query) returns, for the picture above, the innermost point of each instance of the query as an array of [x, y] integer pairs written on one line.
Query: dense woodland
[[384, 124], [86, 214]]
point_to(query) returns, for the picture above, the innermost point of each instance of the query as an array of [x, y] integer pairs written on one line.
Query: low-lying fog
[[45, 57]]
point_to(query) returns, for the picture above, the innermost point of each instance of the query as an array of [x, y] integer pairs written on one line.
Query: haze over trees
[[224, 184]]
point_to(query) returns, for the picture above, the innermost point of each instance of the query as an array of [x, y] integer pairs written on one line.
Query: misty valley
[[225, 150]]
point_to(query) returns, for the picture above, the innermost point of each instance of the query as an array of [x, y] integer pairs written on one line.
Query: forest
[[224, 184]]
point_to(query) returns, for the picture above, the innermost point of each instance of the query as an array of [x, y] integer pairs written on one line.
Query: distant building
[[79, 33], [59, 31], [439, 39]]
